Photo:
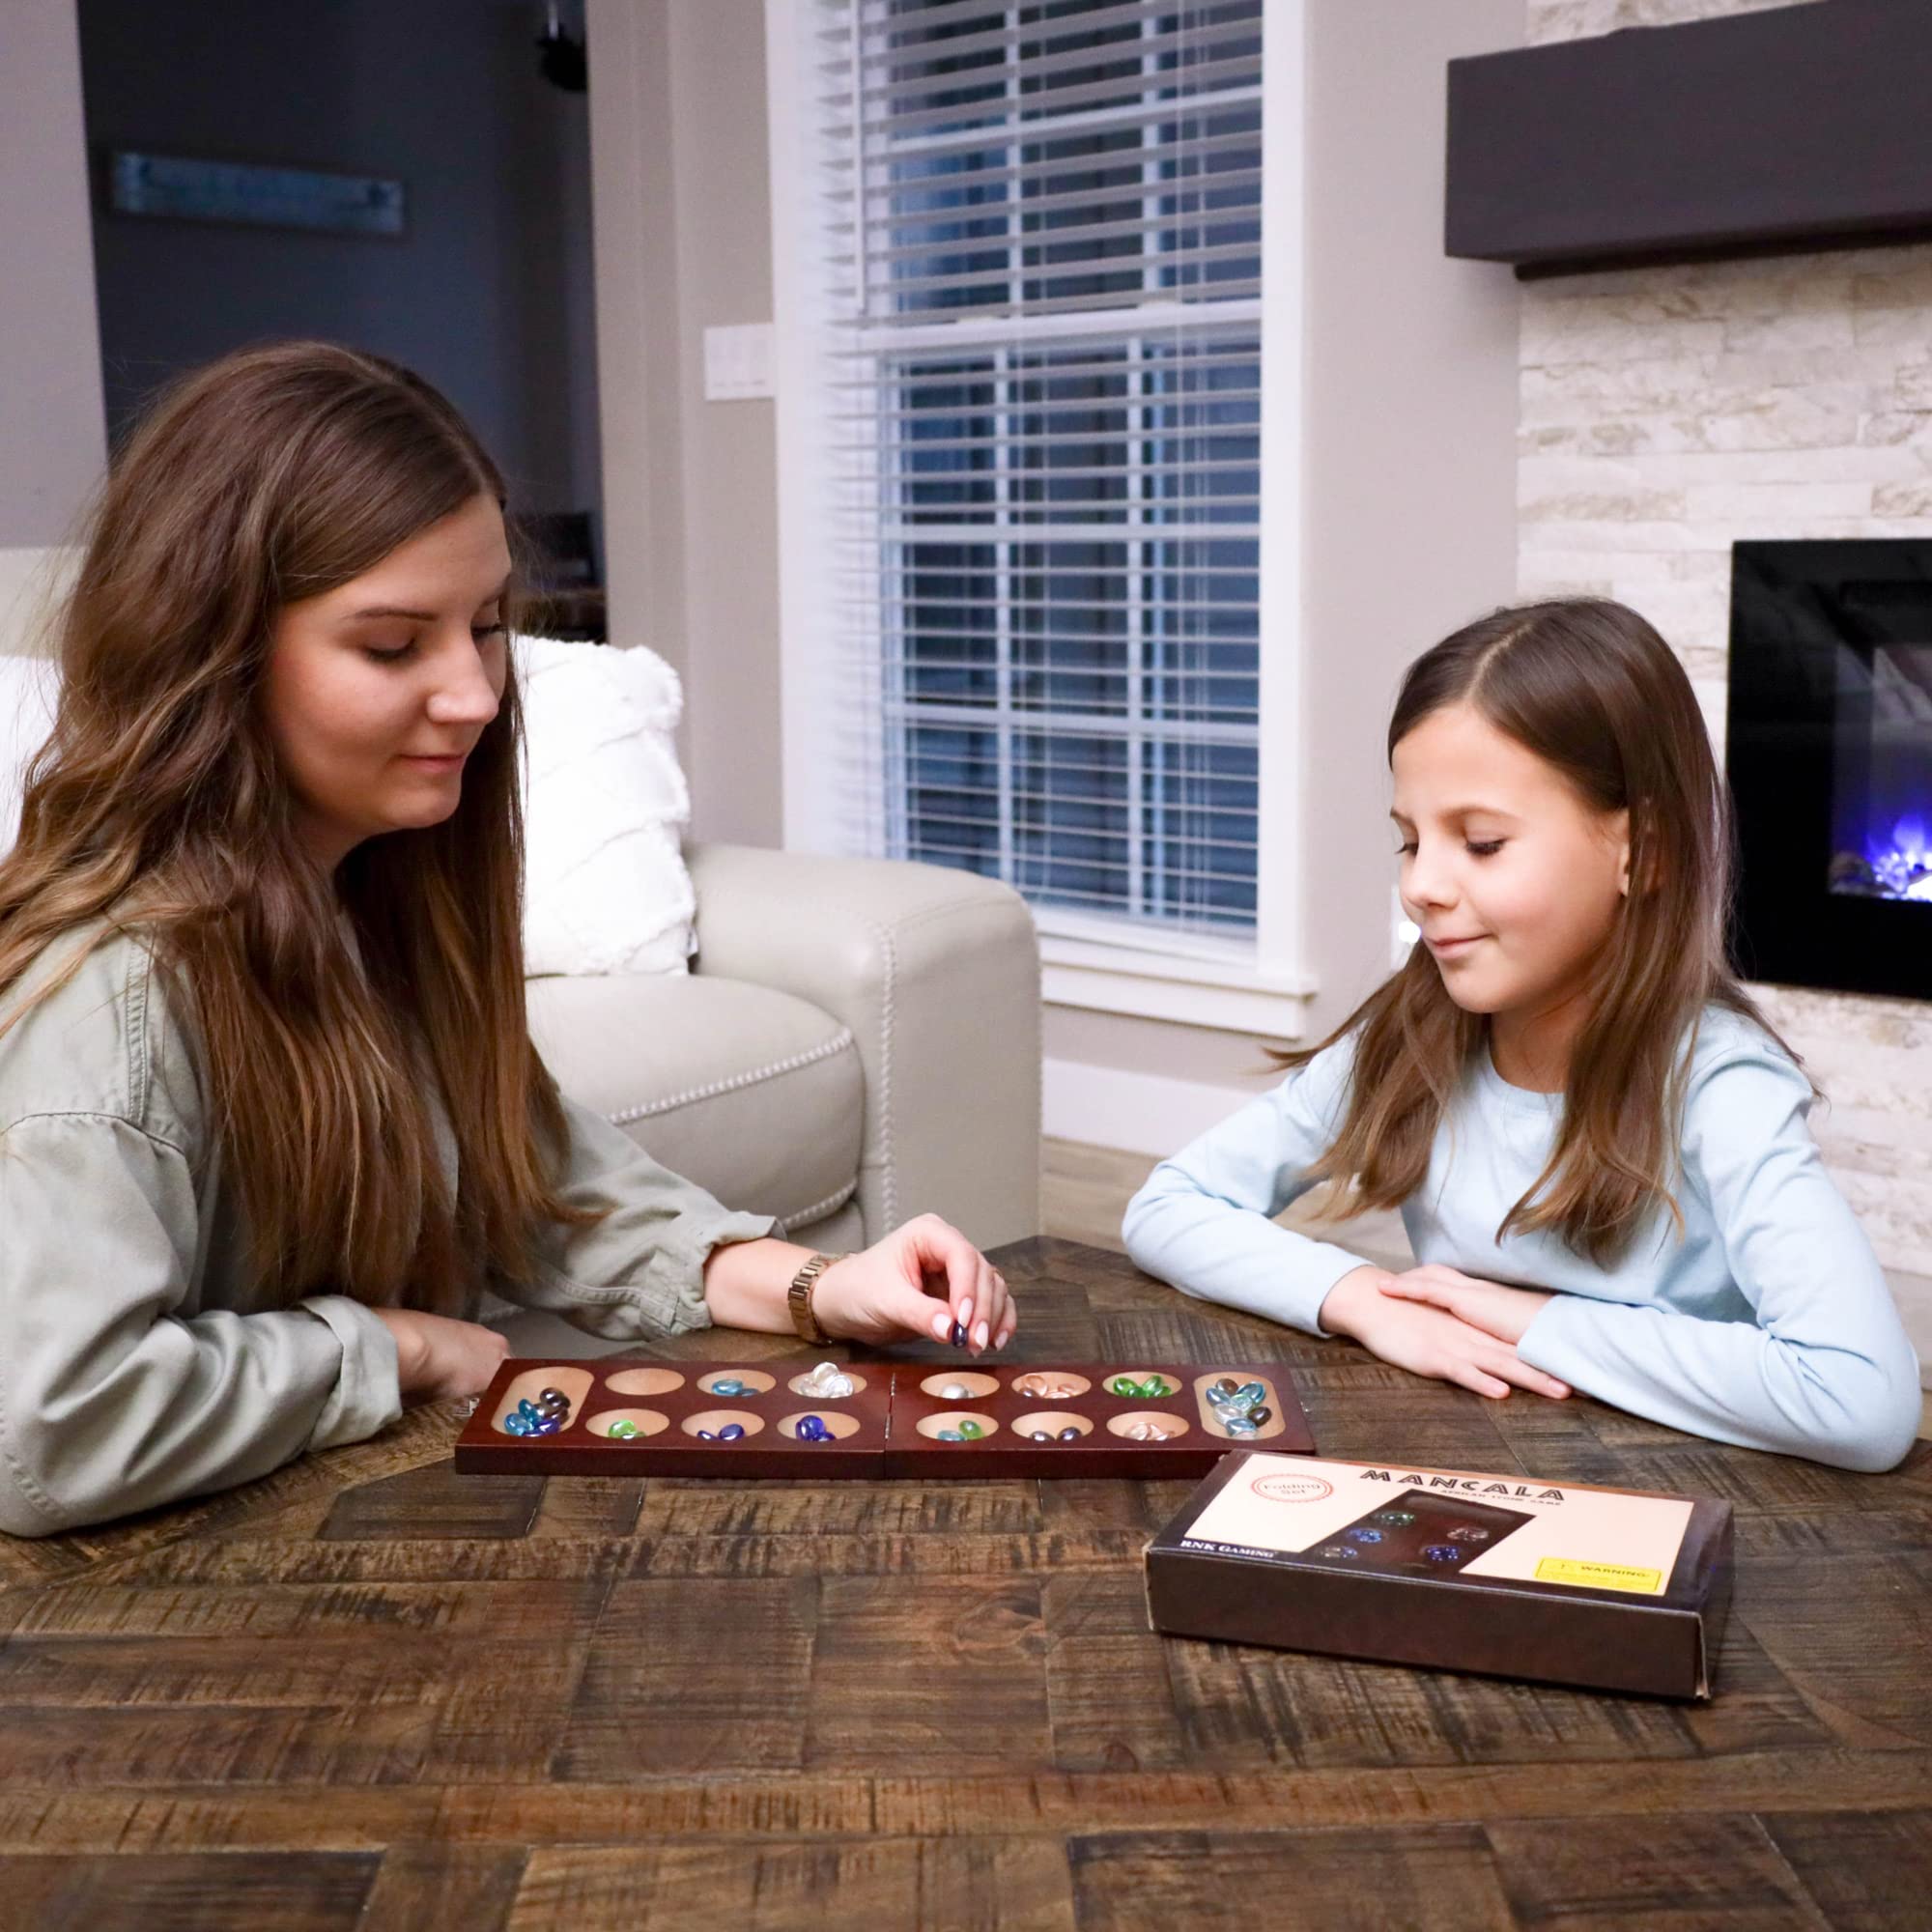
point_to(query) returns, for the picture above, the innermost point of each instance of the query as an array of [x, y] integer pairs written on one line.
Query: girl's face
[[1512, 878], [379, 690]]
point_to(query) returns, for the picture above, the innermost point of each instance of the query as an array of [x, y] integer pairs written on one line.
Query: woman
[[271, 1122]]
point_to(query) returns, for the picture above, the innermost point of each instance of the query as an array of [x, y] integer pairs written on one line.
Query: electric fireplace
[[1828, 747]]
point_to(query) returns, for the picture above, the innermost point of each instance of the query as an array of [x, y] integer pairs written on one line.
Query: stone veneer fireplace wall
[[1668, 412]]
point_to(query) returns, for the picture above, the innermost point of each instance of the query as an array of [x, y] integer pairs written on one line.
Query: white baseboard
[[1137, 1113]]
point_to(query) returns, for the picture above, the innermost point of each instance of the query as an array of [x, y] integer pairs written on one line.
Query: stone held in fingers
[[958, 1336]]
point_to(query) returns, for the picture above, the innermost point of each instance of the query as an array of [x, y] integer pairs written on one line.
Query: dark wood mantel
[[1802, 127]]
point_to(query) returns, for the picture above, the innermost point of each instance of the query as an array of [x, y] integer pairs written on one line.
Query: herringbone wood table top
[[369, 1692]]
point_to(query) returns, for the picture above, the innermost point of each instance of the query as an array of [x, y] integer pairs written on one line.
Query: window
[[1023, 252]]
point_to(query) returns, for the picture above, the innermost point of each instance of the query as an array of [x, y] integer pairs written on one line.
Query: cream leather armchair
[[858, 1042]]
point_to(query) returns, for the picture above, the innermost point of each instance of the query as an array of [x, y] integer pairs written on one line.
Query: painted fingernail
[[964, 1317], [985, 1335], [939, 1327]]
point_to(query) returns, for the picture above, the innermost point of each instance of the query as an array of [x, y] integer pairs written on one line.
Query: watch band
[[798, 1298]]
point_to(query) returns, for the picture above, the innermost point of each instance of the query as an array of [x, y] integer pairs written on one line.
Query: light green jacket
[[139, 1360]]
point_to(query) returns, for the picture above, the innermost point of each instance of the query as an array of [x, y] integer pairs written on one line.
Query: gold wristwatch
[[798, 1298]]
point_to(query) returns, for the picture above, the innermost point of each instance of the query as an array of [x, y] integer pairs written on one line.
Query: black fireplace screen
[[1829, 749]]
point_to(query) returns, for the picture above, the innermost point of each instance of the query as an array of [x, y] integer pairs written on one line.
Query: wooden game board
[[885, 1428]]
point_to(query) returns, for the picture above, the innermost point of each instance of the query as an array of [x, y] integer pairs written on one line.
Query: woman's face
[[1512, 878], [379, 690]]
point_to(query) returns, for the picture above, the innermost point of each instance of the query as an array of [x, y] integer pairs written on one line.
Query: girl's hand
[[1505, 1312], [1429, 1341], [920, 1280], [438, 1358]]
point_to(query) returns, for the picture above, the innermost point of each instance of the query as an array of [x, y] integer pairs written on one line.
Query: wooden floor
[[1085, 1190]]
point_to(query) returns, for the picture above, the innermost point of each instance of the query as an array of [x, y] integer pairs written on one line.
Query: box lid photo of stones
[[871, 1419]]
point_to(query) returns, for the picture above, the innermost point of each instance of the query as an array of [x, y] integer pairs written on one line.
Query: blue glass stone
[[1070, 1434], [1041, 1435], [1340, 1549], [1253, 1392], [1238, 1425], [517, 1425], [549, 1425], [811, 1429], [950, 1435], [1365, 1535], [958, 1335], [706, 1435], [528, 1410], [731, 1431], [728, 1385], [1442, 1552]]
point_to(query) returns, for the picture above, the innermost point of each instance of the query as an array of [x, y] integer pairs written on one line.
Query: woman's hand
[[1505, 1312], [925, 1278], [1430, 1341], [438, 1358]]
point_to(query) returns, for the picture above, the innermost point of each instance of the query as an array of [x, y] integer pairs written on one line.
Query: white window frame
[[1260, 984]]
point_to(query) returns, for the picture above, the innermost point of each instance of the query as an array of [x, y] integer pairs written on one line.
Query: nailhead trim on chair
[[837, 1044]]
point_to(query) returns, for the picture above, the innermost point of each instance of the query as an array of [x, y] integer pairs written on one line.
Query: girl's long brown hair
[[159, 805], [1590, 688]]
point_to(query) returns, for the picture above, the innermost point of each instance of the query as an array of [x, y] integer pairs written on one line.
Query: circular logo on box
[[1292, 1488]]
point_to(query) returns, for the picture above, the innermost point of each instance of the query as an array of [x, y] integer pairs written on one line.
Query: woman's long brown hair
[[1591, 689], [159, 805]]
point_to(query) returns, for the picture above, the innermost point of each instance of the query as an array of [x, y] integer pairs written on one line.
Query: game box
[[897, 1419], [1510, 1575]]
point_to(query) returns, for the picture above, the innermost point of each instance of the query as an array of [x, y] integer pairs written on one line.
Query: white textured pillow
[[28, 690], [605, 888]]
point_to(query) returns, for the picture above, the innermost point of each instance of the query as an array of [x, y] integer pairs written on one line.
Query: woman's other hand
[[438, 1358]]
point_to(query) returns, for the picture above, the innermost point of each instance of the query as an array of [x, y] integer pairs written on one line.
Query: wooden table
[[368, 1693]]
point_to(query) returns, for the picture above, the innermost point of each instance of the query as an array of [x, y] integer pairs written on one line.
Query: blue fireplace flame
[[1901, 861]]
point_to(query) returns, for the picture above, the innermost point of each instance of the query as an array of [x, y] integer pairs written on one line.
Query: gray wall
[[51, 441], [1409, 451], [488, 295], [683, 208]]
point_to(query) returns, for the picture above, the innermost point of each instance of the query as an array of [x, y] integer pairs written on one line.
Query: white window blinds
[[1039, 261]]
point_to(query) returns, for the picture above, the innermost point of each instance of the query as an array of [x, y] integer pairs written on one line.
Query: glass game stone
[[1070, 1434], [1441, 1552], [1365, 1535], [958, 1335], [1400, 1518], [1468, 1533], [624, 1432], [954, 1392], [950, 1435], [970, 1432], [731, 1431], [1042, 1434], [1333, 1550], [729, 1385], [1153, 1389], [515, 1424]]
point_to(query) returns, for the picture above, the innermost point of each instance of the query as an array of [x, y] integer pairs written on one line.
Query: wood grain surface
[[367, 1692]]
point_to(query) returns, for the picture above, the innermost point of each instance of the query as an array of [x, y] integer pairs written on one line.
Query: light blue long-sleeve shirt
[[1768, 1324]]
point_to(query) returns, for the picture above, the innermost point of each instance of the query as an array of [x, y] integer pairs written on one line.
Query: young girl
[[1597, 1142], [270, 1116]]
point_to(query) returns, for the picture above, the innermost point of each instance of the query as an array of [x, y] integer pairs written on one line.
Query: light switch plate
[[737, 363]]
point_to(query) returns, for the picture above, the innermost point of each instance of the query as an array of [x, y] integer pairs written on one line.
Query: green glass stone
[[970, 1432], [624, 1431], [1123, 1385], [1153, 1389]]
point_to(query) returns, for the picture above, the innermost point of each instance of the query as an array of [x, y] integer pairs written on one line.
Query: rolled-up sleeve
[[637, 1270], [115, 1394]]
